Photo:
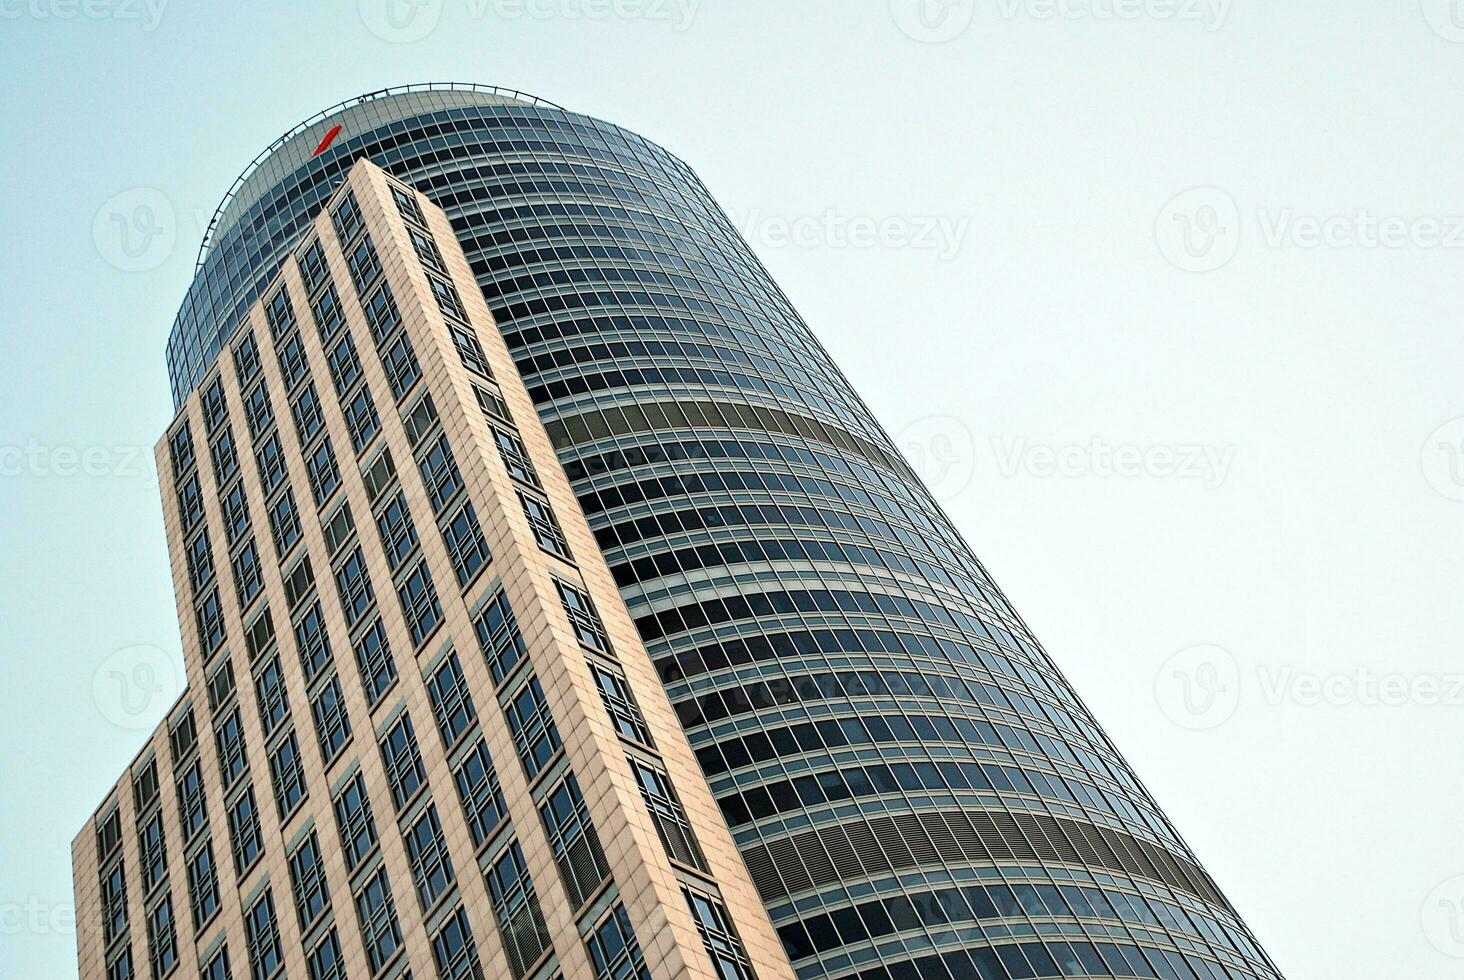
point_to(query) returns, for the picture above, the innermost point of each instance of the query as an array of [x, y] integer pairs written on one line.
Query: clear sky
[[1163, 295]]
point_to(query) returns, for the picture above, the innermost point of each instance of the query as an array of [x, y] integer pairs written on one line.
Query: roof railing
[[299, 128]]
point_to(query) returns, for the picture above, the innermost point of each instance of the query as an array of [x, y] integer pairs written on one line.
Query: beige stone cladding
[[401, 432]]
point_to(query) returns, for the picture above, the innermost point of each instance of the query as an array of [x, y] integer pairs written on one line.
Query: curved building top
[[270, 203]]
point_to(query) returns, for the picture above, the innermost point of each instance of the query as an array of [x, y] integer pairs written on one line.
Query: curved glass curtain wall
[[914, 786]]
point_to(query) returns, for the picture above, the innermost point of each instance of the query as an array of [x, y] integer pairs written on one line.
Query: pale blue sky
[[1181, 477]]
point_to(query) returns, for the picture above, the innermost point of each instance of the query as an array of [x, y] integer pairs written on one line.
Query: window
[[345, 365], [326, 961], [478, 789], [453, 950], [225, 456], [718, 936], [534, 733], [668, 815], [190, 502], [109, 835], [407, 205], [180, 448], [244, 832], [364, 265], [583, 618], [572, 837], [398, 534], [451, 702], [544, 525], [113, 902], [235, 506], [515, 457], [419, 603], [328, 313], [258, 411], [516, 908], [491, 404], [287, 772], [293, 365], [152, 851], [182, 736], [218, 967], [221, 686], [440, 473], [382, 313], [426, 250], [209, 616], [262, 932], [200, 560], [354, 585], [499, 637], [121, 967], [624, 713], [347, 218], [324, 475], [373, 657], [420, 419], [284, 523], [280, 314], [312, 641], [229, 737], [427, 853], [307, 880], [269, 687], [361, 419], [353, 816], [313, 270], [380, 931], [465, 545], [447, 298], [246, 359], [145, 786], [338, 527], [191, 813], [162, 938], [306, 412], [613, 948], [270, 459], [379, 476], [332, 724], [399, 361], [203, 885], [402, 761], [470, 352], [248, 575]]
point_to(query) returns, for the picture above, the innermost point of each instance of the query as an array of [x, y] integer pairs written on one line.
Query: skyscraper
[[914, 788]]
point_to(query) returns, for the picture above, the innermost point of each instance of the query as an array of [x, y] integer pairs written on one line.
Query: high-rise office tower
[[912, 786]]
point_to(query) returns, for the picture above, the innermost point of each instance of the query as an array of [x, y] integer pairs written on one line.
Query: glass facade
[[913, 785]]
